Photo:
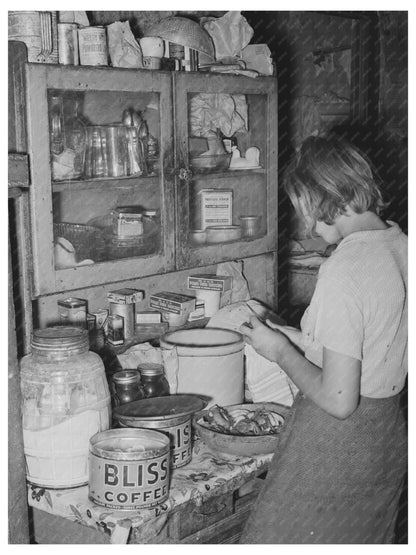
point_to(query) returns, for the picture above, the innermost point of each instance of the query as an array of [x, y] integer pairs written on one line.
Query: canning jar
[[66, 399], [153, 379], [126, 387]]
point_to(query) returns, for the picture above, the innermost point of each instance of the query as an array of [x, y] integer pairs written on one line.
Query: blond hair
[[327, 175]]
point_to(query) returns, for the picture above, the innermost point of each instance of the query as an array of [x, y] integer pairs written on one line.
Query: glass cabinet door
[[226, 131], [101, 141]]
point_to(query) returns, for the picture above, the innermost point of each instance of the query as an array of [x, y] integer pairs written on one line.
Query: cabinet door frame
[[40, 78], [185, 83]]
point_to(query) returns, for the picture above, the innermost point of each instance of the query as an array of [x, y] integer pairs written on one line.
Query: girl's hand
[[267, 342], [294, 334]]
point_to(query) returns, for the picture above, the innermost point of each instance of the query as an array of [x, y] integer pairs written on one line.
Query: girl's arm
[[335, 388]]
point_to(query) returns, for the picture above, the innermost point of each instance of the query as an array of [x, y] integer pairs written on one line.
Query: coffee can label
[[130, 485]]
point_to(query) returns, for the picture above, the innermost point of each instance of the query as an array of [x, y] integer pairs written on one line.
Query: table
[[209, 498]]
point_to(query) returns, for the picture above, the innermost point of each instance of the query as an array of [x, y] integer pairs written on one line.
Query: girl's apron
[[333, 481]]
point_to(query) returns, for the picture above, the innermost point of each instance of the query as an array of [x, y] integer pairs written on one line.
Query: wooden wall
[[260, 272]]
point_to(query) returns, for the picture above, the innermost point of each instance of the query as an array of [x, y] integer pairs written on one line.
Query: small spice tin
[[171, 415], [129, 468], [73, 311], [127, 222], [101, 315], [115, 332], [127, 312]]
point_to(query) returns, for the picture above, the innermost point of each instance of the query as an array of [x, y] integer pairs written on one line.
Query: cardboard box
[[199, 311], [216, 207], [210, 282], [148, 317], [172, 302], [125, 296]]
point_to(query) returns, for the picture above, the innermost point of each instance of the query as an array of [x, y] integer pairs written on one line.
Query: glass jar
[[153, 379], [65, 400], [126, 387], [76, 138], [56, 124]]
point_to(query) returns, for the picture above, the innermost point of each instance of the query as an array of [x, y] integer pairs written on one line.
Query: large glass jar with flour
[[66, 400]]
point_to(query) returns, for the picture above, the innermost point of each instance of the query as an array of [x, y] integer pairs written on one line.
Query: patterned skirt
[[333, 481]]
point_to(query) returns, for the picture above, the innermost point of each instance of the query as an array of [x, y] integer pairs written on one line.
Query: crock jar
[[66, 400]]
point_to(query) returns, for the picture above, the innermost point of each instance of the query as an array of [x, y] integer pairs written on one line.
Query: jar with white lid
[[66, 400]]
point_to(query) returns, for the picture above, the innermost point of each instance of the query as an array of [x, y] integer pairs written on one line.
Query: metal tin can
[[93, 49], [128, 313], [68, 44], [127, 222], [73, 311], [38, 30], [115, 329], [100, 315], [129, 468], [171, 415]]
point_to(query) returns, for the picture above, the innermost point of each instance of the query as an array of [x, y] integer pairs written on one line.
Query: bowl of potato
[[244, 430]]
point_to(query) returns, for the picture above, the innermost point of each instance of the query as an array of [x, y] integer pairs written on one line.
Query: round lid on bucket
[[160, 408], [197, 342]]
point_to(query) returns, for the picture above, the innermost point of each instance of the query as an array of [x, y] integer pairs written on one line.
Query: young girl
[[338, 471]]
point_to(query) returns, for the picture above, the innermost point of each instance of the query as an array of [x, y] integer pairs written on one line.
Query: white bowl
[[223, 233]]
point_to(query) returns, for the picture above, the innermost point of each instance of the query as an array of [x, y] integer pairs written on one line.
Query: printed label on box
[[210, 282], [125, 296], [216, 207], [172, 302]]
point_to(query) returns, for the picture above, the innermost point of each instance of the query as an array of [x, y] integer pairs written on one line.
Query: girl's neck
[[367, 221]]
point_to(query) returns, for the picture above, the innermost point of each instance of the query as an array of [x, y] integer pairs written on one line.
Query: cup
[[250, 225], [152, 47], [117, 160], [152, 62]]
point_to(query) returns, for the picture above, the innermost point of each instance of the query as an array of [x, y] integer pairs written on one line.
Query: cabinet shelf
[[103, 182], [227, 173]]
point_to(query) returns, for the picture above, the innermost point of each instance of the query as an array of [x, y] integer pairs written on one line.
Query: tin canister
[[171, 415], [93, 49], [127, 311], [38, 30], [68, 44], [129, 468], [73, 311]]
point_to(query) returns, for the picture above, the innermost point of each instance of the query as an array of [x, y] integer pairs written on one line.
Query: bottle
[[65, 400], [153, 379], [126, 387], [134, 148], [56, 122], [152, 154], [97, 154], [76, 138], [94, 157]]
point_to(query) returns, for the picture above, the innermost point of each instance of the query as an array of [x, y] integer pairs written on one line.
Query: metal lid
[[160, 408], [60, 339], [150, 369], [131, 210], [150, 213], [129, 444], [183, 31], [125, 377], [72, 302]]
